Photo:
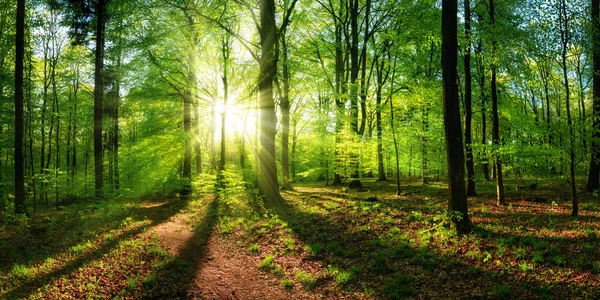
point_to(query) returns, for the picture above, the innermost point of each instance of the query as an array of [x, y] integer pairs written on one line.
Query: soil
[[225, 270]]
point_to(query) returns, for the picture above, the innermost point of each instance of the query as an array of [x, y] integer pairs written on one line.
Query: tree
[[98, 94], [468, 102], [495, 119], [267, 183], [457, 205], [594, 171], [565, 36], [80, 15], [19, 96]]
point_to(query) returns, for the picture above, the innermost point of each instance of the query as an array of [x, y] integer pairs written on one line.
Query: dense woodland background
[[105, 100]]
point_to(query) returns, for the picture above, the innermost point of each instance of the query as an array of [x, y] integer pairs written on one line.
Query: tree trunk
[[98, 94], [495, 120], [340, 90], [381, 79], [30, 131], [594, 172], [565, 37], [285, 113], [20, 207], [267, 183], [457, 205], [468, 103], [225, 52], [485, 166], [354, 70]]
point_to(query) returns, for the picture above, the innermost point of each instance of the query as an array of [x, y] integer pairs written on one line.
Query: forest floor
[[327, 242]]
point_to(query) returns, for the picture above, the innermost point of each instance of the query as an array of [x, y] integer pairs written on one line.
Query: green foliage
[[314, 249], [287, 284], [254, 248], [268, 264], [341, 277], [21, 271], [307, 280]]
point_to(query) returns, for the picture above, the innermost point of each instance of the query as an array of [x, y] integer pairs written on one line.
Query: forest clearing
[[299, 149]]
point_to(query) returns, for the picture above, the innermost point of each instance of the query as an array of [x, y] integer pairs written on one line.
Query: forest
[[299, 149]]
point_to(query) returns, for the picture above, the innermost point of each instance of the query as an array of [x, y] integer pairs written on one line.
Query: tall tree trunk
[[30, 131], [267, 183], [565, 37], [285, 113], [115, 118], [57, 156], [20, 207], [98, 94], [484, 158], [364, 83], [340, 85], [495, 120], [594, 172], [382, 76], [197, 144], [468, 103], [187, 128], [225, 50], [354, 70], [457, 205]]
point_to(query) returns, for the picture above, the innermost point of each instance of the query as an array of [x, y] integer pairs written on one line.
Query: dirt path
[[223, 269]]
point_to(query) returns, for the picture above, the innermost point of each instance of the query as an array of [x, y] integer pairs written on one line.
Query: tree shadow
[[158, 213], [392, 265], [176, 278]]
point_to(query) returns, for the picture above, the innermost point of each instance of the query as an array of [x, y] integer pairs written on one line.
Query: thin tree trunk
[[381, 79], [225, 52], [564, 26], [496, 121], [285, 113], [468, 102], [20, 207], [98, 94], [485, 166]]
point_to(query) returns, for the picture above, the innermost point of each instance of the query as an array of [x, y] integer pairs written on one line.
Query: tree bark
[[267, 183], [382, 76], [98, 95], [285, 113], [468, 103], [495, 120], [457, 204], [565, 37], [225, 50], [484, 158], [20, 207], [594, 172]]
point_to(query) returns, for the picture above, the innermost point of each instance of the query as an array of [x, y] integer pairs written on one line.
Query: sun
[[240, 120]]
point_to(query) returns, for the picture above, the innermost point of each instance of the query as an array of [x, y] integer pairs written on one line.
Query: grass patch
[[287, 284], [307, 280], [254, 248]]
